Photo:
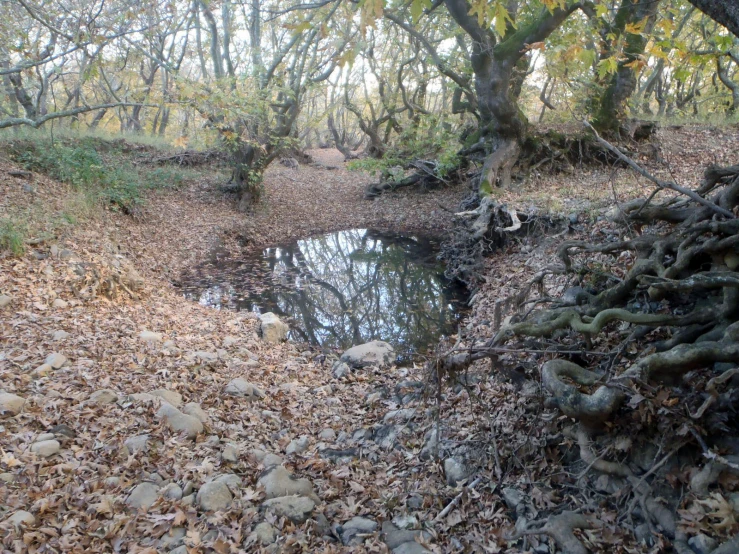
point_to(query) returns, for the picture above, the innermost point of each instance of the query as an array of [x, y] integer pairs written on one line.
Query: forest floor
[[90, 464]]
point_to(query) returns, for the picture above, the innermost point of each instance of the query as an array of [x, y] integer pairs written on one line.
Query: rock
[[62, 430], [179, 422], [243, 388], [205, 357], [228, 342], [188, 500], [405, 521], [454, 471], [230, 454], [112, 481], [298, 446], [702, 544], [56, 360], [386, 436], [214, 496], [21, 517], [59, 303], [295, 508], [353, 531], [394, 537], [180, 550], [45, 437], [512, 497], [271, 459], [173, 397], [278, 481], [399, 415], [375, 353], [46, 448], [7, 477], [265, 533], [150, 336], [414, 502], [327, 435], [340, 370], [143, 496], [43, 370], [195, 410], [103, 396], [372, 398], [136, 444], [171, 492], [60, 335], [272, 329], [233, 482], [431, 445], [411, 548], [11, 404], [5, 300], [173, 538]]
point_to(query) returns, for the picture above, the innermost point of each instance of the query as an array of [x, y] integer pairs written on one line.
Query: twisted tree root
[[561, 528], [573, 403]]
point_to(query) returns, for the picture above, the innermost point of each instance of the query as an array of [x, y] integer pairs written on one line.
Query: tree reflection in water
[[342, 288]]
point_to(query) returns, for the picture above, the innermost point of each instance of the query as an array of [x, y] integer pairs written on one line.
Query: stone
[[232, 481], [173, 397], [150, 336], [271, 329], [205, 357], [373, 398], [512, 497], [112, 481], [21, 517], [411, 548], [278, 481], [265, 533], [228, 342], [414, 502], [353, 531], [179, 422], [339, 456], [55, 360], [375, 353], [5, 300], [171, 492], [59, 303], [340, 370], [11, 404], [399, 415], [136, 444], [243, 388], [7, 477], [405, 521], [143, 496], [45, 437], [180, 550], [188, 500], [295, 508], [173, 539], [214, 496], [46, 448], [103, 396], [298, 446], [271, 459], [43, 370], [230, 454], [386, 436], [702, 544], [195, 410], [62, 430], [60, 335], [454, 471], [327, 435], [430, 445]]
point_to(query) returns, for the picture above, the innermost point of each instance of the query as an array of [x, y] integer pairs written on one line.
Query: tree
[[725, 12]]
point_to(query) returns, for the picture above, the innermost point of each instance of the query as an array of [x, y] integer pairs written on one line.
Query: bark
[[725, 12]]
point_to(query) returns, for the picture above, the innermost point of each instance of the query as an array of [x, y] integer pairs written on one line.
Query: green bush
[[12, 236]]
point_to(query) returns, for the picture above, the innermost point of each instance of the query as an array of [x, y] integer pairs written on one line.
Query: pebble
[[353, 531], [11, 404], [59, 303], [179, 422], [195, 410], [243, 388], [150, 336], [278, 481], [171, 492], [265, 533], [214, 496], [135, 445], [454, 471], [173, 397], [143, 496], [43, 370], [230, 454], [5, 300], [298, 446], [295, 508], [56, 360], [46, 448], [45, 437], [104, 396], [60, 335], [327, 435]]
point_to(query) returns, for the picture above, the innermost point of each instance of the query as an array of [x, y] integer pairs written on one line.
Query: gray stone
[[180, 550], [298, 446], [59, 303], [195, 410], [702, 544], [171, 492], [454, 471], [21, 517], [271, 329], [60, 335], [399, 415], [205, 357], [11, 404], [230, 454], [46, 448], [394, 537], [386, 436], [233, 482], [339, 456], [214, 496], [375, 353], [112, 481], [431, 445], [143, 496], [340, 370], [411, 548], [56, 360], [327, 435], [405, 521], [45, 437], [512, 497], [173, 397], [103, 396], [136, 444], [5, 300], [353, 531], [150, 336], [174, 538], [7, 477], [179, 422], [243, 388], [295, 508], [278, 481], [265, 533], [414, 502]]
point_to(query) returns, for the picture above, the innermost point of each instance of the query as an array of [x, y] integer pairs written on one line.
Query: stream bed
[[341, 289]]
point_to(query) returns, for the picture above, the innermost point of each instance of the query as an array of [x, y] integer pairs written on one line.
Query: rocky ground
[[136, 421]]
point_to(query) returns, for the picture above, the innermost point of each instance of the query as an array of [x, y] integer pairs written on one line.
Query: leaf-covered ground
[[359, 440]]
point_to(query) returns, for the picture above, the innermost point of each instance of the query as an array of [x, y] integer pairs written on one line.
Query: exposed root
[[561, 528], [597, 406]]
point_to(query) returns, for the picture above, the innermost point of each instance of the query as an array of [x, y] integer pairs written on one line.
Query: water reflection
[[341, 289]]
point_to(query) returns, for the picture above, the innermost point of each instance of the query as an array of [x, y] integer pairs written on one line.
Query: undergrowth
[[12, 236]]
